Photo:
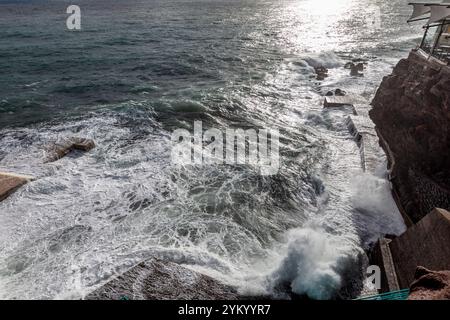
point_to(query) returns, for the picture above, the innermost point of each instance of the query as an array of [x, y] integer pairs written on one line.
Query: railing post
[[424, 37], [441, 30]]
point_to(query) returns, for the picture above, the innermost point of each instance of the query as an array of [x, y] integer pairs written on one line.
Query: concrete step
[[341, 101]]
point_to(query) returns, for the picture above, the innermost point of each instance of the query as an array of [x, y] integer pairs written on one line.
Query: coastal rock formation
[[161, 280], [321, 72], [62, 148], [10, 183], [411, 111], [430, 285]]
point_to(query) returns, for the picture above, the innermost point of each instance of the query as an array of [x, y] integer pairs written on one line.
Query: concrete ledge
[[382, 257], [9, 183], [365, 135], [340, 101]]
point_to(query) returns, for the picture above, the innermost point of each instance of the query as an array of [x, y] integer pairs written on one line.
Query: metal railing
[[439, 45], [395, 295]]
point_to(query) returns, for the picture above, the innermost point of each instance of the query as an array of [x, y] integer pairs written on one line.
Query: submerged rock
[[349, 65], [160, 280], [63, 148], [430, 285]]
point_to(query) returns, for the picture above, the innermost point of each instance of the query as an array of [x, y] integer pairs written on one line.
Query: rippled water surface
[[139, 70]]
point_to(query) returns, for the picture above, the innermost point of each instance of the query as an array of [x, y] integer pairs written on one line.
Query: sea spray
[[375, 209], [311, 265]]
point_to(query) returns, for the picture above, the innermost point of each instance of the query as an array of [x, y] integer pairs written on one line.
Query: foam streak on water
[[139, 70]]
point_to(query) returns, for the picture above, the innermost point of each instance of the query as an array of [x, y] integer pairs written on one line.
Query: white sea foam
[[325, 59], [376, 211], [312, 263]]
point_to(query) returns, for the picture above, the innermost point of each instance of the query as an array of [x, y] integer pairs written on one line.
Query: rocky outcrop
[[430, 285], [161, 280], [411, 111], [321, 72], [62, 148], [10, 183]]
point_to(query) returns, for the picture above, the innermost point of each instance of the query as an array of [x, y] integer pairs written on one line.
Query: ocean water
[[140, 69]]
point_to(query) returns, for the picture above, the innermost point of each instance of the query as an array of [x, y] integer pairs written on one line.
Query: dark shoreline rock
[[321, 72], [411, 111]]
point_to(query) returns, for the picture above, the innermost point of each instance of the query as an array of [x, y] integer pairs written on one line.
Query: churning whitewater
[[129, 82]]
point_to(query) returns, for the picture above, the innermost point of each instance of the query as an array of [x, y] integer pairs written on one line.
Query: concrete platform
[[11, 182], [341, 101], [365, 135]]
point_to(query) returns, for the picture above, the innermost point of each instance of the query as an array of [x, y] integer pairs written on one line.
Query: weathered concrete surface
[[412, 113], [381, 256], [62, 148], [363, 129], [339, 101], [160, 280], [430, 285], [425, 244], [10, 183]]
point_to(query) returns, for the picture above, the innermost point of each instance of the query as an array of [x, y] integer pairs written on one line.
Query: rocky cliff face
[[411, 111]]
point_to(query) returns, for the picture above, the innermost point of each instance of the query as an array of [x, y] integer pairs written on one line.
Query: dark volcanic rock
[[321, 72], [340, 92], [430, 285], [412, 113], [161, 280]]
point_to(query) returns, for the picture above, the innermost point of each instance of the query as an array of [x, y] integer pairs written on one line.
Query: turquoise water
[[139, 70]]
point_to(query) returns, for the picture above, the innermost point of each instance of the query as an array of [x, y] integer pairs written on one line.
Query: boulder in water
[[339, 92], [321, 72], [60, 149]]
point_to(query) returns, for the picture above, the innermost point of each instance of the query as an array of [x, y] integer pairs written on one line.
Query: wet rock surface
[[430, 285], [62, 148], [9, 183], [160, 280], [321, 72], [411, 111]]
